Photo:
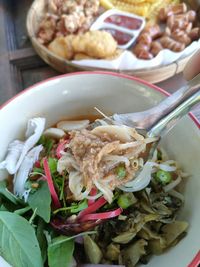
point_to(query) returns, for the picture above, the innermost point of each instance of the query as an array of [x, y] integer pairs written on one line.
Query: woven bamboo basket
[[153, 75]]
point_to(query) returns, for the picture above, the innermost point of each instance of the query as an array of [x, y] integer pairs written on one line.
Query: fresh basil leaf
[[60, 254], [41, 200], [18, 243], [3, 208], [42, 238], [59, 241], [22, 211]]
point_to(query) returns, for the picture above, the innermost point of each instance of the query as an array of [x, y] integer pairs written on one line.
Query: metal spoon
[[159, 120]]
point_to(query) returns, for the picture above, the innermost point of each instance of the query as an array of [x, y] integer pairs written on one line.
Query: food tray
[[153, 75]]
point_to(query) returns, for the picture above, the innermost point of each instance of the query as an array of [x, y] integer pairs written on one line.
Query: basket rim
[[146, 70]]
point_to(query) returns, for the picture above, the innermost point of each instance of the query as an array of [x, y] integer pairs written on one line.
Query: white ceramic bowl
[[77, 94]]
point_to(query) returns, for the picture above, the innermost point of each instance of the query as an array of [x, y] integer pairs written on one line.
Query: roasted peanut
[[171, 44], [194, 34], [156, 47], [172, 10]]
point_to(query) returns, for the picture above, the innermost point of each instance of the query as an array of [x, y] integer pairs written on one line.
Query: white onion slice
[[72, 125], [141, 181], [17, 152], [27, 164], [172, 185], [167, 168], [14, 151], [115, 159], [75, 183]]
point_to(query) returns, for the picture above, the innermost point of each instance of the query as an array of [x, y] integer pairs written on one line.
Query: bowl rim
[[109, 73]]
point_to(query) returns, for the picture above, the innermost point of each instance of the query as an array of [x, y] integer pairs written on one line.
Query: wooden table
[[20, 67]]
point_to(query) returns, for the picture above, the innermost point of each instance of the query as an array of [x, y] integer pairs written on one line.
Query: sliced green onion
[[121, 172], [163, 177], [126, 200]]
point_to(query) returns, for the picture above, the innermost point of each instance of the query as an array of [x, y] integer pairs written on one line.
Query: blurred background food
[[161, 50], [65, 27]]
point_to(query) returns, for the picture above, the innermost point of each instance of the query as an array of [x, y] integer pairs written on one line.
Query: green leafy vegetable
[[41, 200], [60, 254], [74, 208], [7, 194], [52, 165], [18, 243], [42, 238], [47, 143], [23, 210], [163, 177]]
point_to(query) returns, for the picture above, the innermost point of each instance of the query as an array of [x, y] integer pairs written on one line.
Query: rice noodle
[[172, 185]]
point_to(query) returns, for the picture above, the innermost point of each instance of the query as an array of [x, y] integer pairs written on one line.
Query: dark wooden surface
[[20, 67]]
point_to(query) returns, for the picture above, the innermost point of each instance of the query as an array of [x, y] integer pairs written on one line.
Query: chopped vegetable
[[47, 143], [93, 192], [81, 206], [126, 200], [121, 172], [102, 215], [52, 164], [163, 177], [95, 206], [60, 148], [50, 184]]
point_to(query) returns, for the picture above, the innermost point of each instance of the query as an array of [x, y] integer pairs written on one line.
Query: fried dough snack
[[92, 44], [96, 44], [62, 47]]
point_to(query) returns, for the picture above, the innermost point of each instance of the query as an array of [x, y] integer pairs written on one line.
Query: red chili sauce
[[122, 38], [124, 21]]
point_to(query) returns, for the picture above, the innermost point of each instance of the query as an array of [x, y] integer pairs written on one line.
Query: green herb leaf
[[7, 194], [41, 200], [81, 206], [52, 164], [47, 143], [42, 239], [60, 254], [18, 243]]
